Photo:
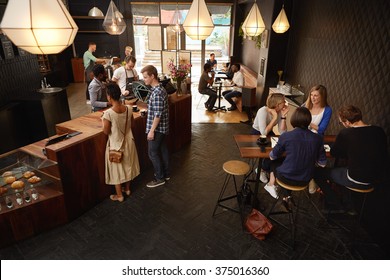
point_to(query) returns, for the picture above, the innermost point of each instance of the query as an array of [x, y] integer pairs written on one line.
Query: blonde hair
[[129, 48], [274, 99], [323, 95]]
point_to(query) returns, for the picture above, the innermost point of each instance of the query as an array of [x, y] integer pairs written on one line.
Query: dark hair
[[350, 113], [113, 91], [98, 69], [130, 58], [238, 66], [206, 67], [150, 70], [301, 118]]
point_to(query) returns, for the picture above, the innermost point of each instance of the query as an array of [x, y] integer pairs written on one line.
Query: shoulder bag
[[114, 155], [257, 224]]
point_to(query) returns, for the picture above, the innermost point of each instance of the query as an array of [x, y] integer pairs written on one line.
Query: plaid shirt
[[158, 107]]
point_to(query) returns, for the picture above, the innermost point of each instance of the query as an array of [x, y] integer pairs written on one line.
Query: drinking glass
[[27, 196], [34, 194], [19, 199], [9, 202]]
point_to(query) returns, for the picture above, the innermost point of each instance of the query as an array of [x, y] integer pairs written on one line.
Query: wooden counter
[[81, 163]]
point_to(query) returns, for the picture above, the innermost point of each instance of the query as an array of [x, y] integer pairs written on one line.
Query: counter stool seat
[[290, 211], [232, 168], [365, 192]]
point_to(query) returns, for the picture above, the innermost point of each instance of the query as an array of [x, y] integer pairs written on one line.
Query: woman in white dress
[[120, 139]]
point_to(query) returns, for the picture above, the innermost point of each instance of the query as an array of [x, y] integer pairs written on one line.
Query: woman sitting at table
[[303, 150], [319, 109], [266, 118]]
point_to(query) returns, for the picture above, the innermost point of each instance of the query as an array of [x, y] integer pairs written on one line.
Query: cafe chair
[[292, 208], [232, 168]]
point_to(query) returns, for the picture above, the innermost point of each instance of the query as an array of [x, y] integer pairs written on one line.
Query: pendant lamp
[[114, 23], [198, 24], [95, 12], [39, 26], [253, 24], [281, 24], [176, 25]]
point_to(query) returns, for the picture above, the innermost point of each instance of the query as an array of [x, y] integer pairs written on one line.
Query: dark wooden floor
[[175, 221]]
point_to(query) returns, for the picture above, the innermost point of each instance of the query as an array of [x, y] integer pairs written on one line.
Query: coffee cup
[[143, 113], [263, 139], [135, 108]]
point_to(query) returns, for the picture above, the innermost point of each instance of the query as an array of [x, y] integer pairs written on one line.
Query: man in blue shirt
[[157, 126]]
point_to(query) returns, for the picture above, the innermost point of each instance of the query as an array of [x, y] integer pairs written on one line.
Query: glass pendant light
[[281, 24], [114, 23], [39, 26], [95, 12], [253, 24], [176, 25], [198, 24]]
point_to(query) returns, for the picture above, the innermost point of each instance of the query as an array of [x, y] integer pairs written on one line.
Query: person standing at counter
[[89, 61], [320, 111], [97, 89], [157, 126], [126, 74], [117, 125]]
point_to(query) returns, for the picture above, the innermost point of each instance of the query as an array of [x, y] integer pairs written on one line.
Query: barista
[[125, 75], [89, 61]]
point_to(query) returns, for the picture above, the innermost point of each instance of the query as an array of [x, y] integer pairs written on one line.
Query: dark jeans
[[229, 94], [338, 175], [212, 97], [159, 156]]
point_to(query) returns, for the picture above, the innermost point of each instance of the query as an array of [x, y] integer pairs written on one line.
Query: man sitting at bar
[[238, 83], [97, 89], [364, 147], [204, 82]]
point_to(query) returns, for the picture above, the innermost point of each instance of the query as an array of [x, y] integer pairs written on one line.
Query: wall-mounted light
[[198, 24], [39, 26], [253, 24], [281, 23], [114, 23]]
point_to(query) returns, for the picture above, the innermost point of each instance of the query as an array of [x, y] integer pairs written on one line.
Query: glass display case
[[26, 179]]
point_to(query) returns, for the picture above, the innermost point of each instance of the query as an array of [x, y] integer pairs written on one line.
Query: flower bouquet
[[178, 73]]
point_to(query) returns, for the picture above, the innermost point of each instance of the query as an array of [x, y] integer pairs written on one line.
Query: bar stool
[[292, 213], [365, 192], [232, 168]]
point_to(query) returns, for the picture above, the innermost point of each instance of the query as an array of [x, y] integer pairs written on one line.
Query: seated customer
[[97, 89], [364, 147], [303, 149], [238, 83], [212, 61], [204, 82]]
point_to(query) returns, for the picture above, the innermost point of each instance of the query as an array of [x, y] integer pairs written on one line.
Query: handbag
[[114, 155], [257, 224]]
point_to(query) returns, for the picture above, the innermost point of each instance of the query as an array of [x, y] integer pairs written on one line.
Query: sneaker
[[312, 187], [272, 190], [155, 183], [263, 176], [167, 178]]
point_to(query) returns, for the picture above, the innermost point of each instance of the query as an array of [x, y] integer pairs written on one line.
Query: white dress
[[128, 169]]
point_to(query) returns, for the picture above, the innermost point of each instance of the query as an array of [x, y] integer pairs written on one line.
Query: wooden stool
[[290, 211], [232, 168], [365, 192]]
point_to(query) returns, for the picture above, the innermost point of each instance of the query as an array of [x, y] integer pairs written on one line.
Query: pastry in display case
[[23, 176]]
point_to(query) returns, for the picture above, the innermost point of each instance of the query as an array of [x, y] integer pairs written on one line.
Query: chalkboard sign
[[7, 48]]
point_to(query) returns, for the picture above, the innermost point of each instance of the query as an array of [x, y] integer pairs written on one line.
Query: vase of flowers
[[179, 75]]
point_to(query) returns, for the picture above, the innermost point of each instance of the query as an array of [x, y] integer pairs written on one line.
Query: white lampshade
[[198, 24], [39, 26], [95, 12], [114, 23], [253, 24], [281, 24]]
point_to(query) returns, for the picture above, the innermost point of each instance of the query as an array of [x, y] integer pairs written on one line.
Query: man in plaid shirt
[[157, 127]]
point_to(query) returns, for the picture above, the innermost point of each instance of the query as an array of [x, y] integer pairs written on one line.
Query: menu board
[[8, 51]]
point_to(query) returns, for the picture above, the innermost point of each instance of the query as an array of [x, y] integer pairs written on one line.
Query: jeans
[[339, 176], [159, 156], [212, 98], [229, 94]]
